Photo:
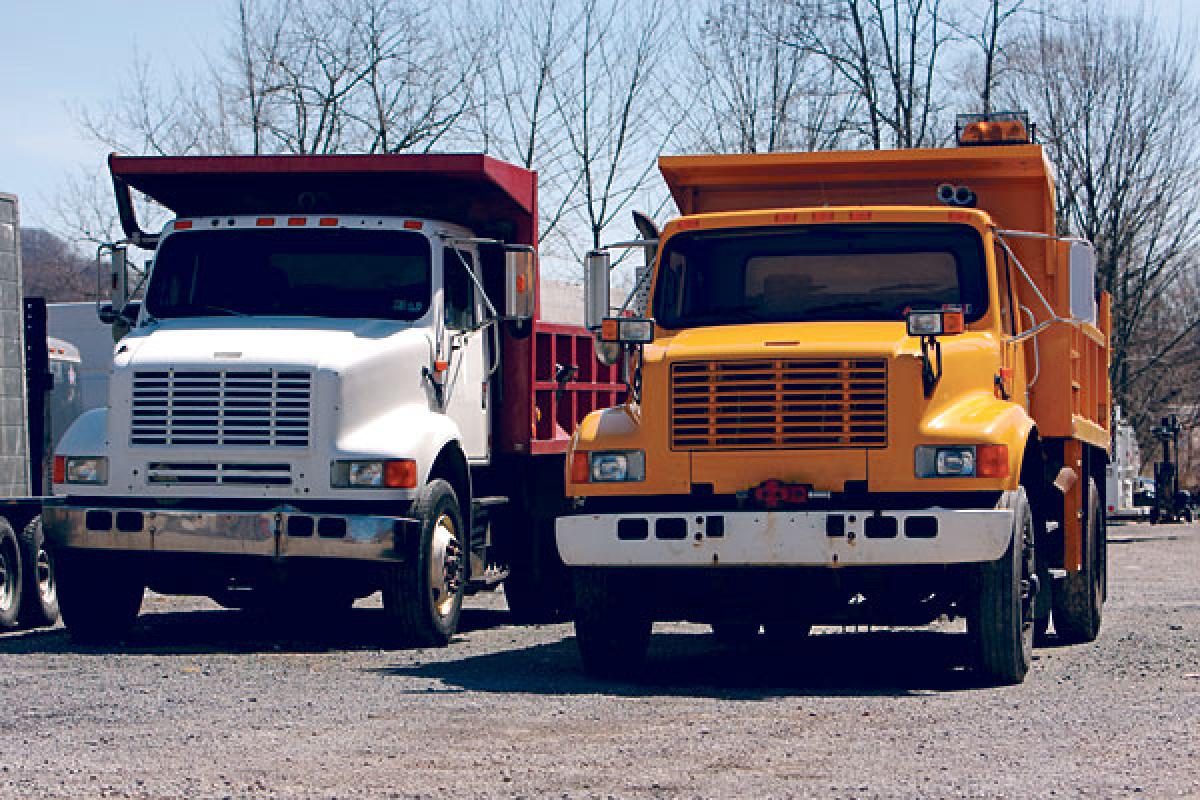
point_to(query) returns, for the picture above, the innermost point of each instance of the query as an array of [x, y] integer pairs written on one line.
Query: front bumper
[[279, 533], [784, 538]]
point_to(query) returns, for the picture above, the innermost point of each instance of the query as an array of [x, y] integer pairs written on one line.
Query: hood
[[284, 341], [888, 339]]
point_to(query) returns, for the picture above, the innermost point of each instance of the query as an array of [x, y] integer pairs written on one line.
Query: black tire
[[424, 608], [11, 576], [1000, 621], [735, 634], [39, 593], [1079, 597], [538, 588], [611, 630], [98, 594]]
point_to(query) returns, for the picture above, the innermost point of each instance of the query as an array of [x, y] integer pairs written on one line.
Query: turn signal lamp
[[1006, 127]]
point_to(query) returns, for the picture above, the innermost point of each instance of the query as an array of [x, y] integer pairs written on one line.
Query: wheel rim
[[8, 580], [445, 566], [45, 577]]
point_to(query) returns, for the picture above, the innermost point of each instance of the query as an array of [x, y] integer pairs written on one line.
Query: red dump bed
[[492, 198]]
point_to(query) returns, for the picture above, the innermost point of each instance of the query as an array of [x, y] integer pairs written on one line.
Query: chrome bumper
[[273, 534], [784, 538]]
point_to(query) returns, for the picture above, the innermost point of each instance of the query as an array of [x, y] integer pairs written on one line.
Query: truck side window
[[458, 291]]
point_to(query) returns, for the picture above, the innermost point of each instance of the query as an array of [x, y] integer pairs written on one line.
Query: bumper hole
[[98, 521], [300, 526], [671, 528], [835, 525], [632, 529], [331, 528], [880, 527], [129, 521], [714, 527], [921, 527]]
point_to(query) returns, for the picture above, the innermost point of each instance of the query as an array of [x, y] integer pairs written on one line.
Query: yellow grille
[[784, 403]]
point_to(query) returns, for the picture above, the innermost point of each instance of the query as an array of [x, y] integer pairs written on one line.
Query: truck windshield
[[313, 273], [818, 272]]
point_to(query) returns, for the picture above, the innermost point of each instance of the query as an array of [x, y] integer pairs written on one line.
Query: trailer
[[28, 363], [870, 387], [336, 383]]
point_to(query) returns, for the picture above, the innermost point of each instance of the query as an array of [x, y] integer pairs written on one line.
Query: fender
[[410, 431], [983, 418], [87, 435]]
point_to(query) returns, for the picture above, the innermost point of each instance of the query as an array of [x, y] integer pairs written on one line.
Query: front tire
[[612, 632], [423, 595], [1000, 622], [39, 592], [99, 596], [1079, 598]]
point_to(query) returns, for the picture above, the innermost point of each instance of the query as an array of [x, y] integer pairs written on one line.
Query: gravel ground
[[203, 702]]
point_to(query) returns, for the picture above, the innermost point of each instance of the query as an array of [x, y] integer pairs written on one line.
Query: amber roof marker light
[[998, 127]]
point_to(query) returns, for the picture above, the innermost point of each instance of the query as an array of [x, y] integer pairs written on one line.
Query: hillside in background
[[52, 269]]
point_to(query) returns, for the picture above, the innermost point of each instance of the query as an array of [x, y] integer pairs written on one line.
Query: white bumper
[[784, 538]]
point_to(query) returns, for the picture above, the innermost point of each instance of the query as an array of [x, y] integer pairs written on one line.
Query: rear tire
[[10, 577], [1079, 598], [1000, 623], [787, 636], [99, 596], [538, 587], [612, 632], [423, 595], [39, 592]]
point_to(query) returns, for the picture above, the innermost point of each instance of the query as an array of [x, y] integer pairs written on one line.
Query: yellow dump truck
[[866, 387]]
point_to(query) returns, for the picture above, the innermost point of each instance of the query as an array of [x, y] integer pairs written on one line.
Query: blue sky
[[59, 55], [56, 55]]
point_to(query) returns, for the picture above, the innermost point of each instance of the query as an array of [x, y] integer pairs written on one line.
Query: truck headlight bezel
[[373, 473], [84, 470], [617, 466], [961, 461]]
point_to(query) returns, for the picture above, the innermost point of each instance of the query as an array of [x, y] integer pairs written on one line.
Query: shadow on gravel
[[886, 663], [204, 631]]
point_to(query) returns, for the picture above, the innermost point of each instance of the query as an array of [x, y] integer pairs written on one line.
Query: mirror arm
[[931, 368]]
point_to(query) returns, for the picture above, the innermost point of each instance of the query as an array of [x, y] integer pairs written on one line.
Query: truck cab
[[872, 388], [306, 406]]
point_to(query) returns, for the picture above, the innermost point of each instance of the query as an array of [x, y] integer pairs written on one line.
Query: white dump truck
[[336, 384]]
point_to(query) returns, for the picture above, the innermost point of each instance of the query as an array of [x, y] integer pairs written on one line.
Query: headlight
[[617, 466], [395, 473], [962, 461], [85, 469]]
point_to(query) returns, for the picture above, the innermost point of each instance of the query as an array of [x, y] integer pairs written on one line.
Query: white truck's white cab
[[302, 400]]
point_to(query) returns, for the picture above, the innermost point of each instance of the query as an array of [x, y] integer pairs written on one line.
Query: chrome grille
[[779, 403], [235, 408], [175, 473]]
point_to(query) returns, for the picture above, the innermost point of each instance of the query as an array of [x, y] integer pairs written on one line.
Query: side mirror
[[520, 284], [1083, 282], [596, 290], [940, 322]]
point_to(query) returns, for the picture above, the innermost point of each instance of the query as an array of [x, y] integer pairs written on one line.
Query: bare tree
[[754, 91], [1115, 102], [888, 54], [514, 111], [609, 102]]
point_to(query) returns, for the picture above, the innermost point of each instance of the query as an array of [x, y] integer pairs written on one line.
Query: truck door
[[466, 346]]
